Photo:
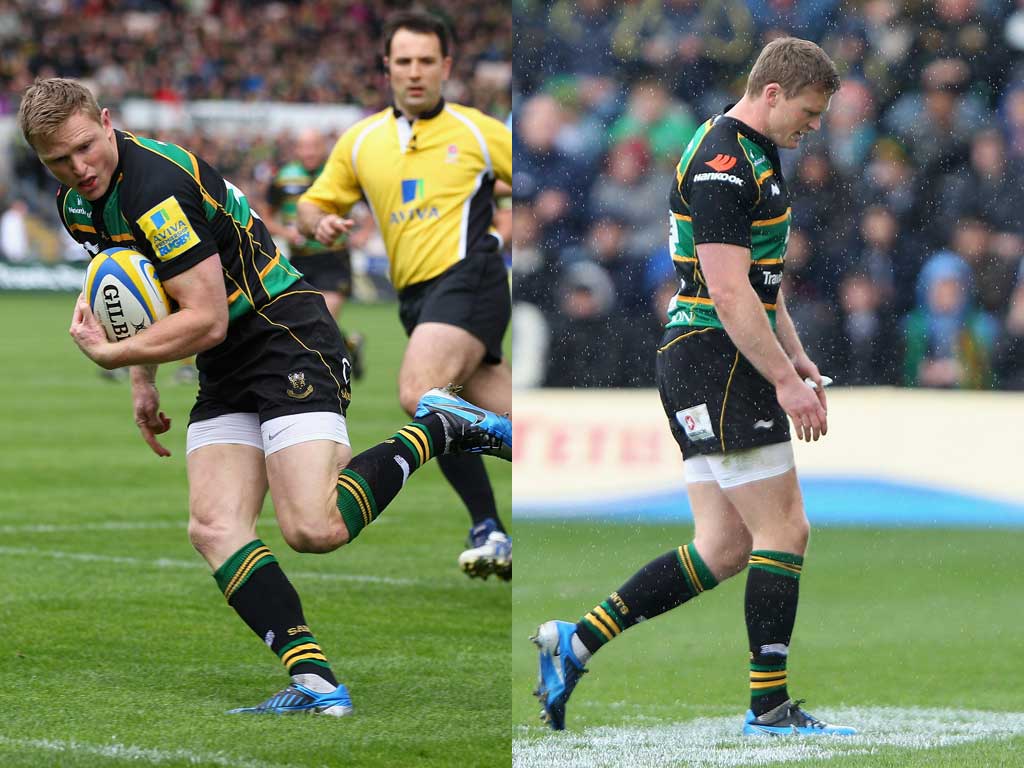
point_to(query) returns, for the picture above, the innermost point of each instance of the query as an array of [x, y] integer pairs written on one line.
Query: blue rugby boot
[[299, 698], [489, 551], [788, 719], [560, 670], [468, 428]]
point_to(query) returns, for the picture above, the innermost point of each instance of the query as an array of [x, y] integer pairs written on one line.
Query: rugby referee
[[427, 168]]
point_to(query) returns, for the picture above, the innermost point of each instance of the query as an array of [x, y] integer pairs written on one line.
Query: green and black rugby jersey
[[290, 182], [176, 210], [728, 189]]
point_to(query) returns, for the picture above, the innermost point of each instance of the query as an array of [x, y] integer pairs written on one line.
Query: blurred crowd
[[905, 265], [308, 51]]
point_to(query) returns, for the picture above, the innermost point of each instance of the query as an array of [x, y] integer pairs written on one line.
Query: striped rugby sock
[[773, 586], [663, 584], [256, 587], [373, 478]]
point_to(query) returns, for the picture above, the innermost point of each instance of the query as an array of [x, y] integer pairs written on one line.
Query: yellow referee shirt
[[429, 183]]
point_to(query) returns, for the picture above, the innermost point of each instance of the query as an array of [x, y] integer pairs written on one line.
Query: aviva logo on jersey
[[412, 191], [168, 229]]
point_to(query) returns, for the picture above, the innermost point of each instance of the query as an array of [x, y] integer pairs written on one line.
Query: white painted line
[[115, 751], [124, 525], [152, 525], [717, 743], [164, 562]]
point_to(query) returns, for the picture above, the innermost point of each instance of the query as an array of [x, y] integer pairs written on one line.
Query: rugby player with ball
[[274, 376]]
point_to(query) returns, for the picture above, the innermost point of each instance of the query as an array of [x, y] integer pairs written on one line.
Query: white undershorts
[[740, 467], [270, 436]]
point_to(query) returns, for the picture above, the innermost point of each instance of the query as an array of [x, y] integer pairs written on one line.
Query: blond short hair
[[48, 103], [794, 64]]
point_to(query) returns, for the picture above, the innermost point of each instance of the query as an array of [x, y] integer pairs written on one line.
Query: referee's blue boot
[[468, 428], [299, 698], [560, 670]]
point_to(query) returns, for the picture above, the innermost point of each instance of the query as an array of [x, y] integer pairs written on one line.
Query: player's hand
[[331, 227], [88, 334], [148, 416], [294, 236], [804, 407], [808, 370]]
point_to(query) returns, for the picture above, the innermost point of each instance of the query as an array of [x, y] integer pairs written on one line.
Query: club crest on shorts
[[696, 422], [299, 390]]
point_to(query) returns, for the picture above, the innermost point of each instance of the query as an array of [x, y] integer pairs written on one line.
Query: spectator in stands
[[889, 258], [652, 116], [539, 164], [1010, 357], [14, 239], [865, 351], [990, 185], [948, 342], [629, 191], [584, 350]]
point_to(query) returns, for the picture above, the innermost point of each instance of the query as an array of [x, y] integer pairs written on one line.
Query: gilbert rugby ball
[[124, 292]]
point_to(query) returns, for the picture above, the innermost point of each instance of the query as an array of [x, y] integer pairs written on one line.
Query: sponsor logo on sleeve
[[168, 229], [721, 163]]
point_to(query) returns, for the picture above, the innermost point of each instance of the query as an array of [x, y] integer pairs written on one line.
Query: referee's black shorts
[[472, 294], [714, 399], [287, 358]]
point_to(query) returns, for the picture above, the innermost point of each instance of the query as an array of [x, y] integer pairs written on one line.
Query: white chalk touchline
[[150, 525], [164, 562], [122, 525], [117, 751], [717, 743]]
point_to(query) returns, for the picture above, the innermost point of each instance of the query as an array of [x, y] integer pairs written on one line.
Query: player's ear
[[447, 66], [771, 93]]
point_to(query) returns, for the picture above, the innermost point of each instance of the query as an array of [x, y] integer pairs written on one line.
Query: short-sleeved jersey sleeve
[[499, 145], [169, 220], [721, 193], [337, 188]]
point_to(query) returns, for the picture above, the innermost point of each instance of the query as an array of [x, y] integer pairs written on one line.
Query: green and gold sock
[[255, 586], [373, 478], [773, 587], [663, 584]]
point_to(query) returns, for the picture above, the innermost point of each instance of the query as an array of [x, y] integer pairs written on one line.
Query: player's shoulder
[[717, 147], [146, 153]]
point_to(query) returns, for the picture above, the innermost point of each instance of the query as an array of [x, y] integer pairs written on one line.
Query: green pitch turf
[[117, 647], [895, 628]]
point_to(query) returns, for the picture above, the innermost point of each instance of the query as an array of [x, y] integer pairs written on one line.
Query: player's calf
[[444, 424]]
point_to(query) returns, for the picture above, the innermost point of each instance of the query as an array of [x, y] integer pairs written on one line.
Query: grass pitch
[[912, 635], [118, 648]]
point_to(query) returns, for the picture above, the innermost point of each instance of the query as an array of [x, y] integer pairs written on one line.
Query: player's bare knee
[[725, 556], [316, 537], [208, 534], [409, 396]]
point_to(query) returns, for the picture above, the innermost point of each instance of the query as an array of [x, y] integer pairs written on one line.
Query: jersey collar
[[424, 116], [756, 136]]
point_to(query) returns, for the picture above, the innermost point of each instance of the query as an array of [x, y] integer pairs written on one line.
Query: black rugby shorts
[[714, 399], [287, 358], [472, 294]]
